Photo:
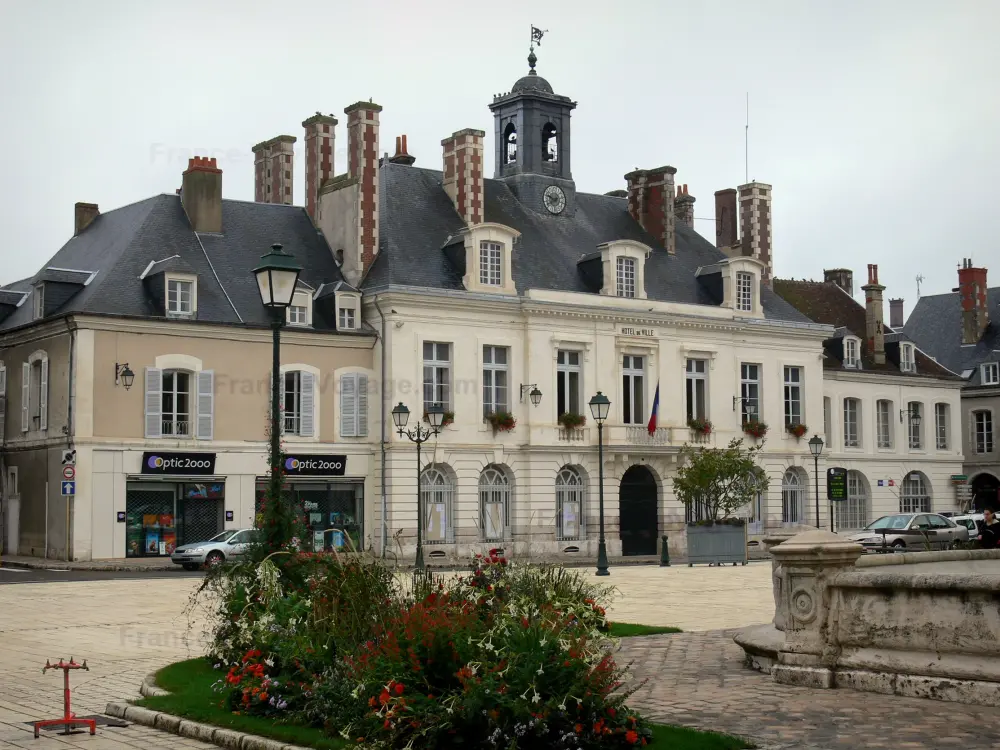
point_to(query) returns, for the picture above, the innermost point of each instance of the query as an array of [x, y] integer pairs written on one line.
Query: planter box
[[717, 544]]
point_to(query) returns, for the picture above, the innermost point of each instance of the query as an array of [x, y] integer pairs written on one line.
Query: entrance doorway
[[985, 492], [638, 522]]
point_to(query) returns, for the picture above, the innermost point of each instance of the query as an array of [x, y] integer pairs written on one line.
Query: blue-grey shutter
[[206, 404], [348, 405], [43, 397], [362, 428], [154, 403], [25, 394], [307, 405], [3, 400]]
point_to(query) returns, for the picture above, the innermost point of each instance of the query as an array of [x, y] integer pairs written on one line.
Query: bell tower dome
[[532, 142]]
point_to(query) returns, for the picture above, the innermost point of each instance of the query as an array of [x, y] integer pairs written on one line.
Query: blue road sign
[[69, 488]]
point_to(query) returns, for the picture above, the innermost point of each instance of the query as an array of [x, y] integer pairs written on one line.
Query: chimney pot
[[83, 215], [402, 157], [201, 194], [896, 314], [972, 292]]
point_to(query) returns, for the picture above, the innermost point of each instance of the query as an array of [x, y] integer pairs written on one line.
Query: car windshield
[[890, 522], [224, 536]]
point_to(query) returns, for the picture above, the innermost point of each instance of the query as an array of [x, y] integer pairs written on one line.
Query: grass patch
[[191, 696], [627, 629]]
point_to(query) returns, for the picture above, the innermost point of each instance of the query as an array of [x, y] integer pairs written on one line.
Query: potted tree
[[718, 482]]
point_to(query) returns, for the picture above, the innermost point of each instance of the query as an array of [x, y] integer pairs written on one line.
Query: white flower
[[269, 661], [541, 670], [536, 698]]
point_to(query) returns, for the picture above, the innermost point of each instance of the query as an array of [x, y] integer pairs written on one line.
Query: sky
[[877, 123]]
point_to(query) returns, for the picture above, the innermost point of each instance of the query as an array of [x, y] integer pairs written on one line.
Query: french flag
[[656, 410]]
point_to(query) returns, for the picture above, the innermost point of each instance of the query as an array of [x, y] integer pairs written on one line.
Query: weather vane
[[536, 36]]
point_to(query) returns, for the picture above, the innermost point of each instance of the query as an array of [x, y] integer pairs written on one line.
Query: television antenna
[[920, 280]]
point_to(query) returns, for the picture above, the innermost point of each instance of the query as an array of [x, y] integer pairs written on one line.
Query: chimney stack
[[463, 173], [842, 277], [755, 224], [401, 156], [83, 214], [201, 194], [273, 163], [972, 293], [896, 314], [651, 203], [725, 218], [319, 140], [362, 165], [874, 328], [684, 207]]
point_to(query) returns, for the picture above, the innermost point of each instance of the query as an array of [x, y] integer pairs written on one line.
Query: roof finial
[[536, 38]]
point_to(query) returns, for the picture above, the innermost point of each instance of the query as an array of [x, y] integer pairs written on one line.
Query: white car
[[215, 551], [970, 522]]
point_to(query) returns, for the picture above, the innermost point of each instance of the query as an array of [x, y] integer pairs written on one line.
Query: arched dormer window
[[510, 144], [550, 143]]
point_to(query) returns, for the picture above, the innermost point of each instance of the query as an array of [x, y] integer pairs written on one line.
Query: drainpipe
[[385, 526], [69, 427]]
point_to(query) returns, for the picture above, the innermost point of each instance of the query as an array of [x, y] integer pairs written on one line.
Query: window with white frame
[[346, 319], [494, 503], [298, 403], [941, 414], [38, 302], [179, 403], [744, 291], [883, 423], [793, 395], [696, 379], [982, 426], [437, 375], [915, 424], [907, 363], [354, 404], [749, 391], [626, 277], [633, 378], [851, 352], [569, 375], [991, 373], [180, 297], [852, 513], [490, 256], [437, 495], [827, 419], [176, 400], [496, 388], [298, 315], [852, 420], [914, 496], [570, 489], [792, 494]]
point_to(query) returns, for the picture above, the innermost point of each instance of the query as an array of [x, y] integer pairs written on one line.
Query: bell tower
[[532, 141]]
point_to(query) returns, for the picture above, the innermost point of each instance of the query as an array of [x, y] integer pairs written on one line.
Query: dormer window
[[348, 306], [346, 319], [490, 260], [625, 285], [180, 297], [744, 291], [907, 363], [852, 347], [300, 311], [38, 304], [991, 373]]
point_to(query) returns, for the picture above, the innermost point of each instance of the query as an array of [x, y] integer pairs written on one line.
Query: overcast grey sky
[[878, 122]]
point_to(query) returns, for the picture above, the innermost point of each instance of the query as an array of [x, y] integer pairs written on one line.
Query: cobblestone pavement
[[697, 680]]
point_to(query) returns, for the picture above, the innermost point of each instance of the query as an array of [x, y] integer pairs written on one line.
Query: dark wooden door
[[638, 522]]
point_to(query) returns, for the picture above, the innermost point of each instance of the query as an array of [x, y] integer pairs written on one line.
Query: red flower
[[631, 736], [384, 697], [611, 712], [399, 688]]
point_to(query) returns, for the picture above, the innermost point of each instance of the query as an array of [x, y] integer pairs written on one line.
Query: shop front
[[175, 499], [333, 505]]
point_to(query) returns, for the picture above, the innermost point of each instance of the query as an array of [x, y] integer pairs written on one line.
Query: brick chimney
[[972, 293], [463, 173], [896, 314], [83, 214], [319, 140], [725, 218], [201, 194], [755, 224], [401, 156], [273, 168], [362, 165], [874, 328], [842, 277], [651, 203], [684, 207]]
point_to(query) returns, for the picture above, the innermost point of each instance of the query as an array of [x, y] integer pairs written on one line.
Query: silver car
[[912, 531], [215, 551]]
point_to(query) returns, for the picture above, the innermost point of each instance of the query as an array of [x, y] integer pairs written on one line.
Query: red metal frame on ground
[[69, 719]]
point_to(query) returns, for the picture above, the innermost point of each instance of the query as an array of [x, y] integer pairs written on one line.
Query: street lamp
[[124, 375], [277, 275], [533, 393], [816, 447], [599, 407], [419, 435]]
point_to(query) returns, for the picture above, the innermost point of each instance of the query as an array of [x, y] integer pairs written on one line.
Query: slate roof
[[120, 244], [417, 218], [936, 325], [64, 276], [825, 302]]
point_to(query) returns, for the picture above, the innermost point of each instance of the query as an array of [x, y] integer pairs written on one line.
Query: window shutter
[[154, 403], [348, 406], [206, 404], [3, 401], [307, 405], [362, 405], [25, 394], [43, 397], [3, 380]]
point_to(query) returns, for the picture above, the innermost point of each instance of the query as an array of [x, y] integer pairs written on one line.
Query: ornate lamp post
[[419, 435], [816, 447], [277, 276], [599, 407]]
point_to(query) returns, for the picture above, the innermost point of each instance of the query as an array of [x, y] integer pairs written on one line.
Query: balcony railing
[[641, 436], [574, 434], [175, 428]]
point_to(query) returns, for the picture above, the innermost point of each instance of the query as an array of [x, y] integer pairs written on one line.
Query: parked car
[[969, 521], [916, 531], [215, 551]]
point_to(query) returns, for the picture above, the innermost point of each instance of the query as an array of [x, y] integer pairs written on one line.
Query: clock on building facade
[[555, 199]]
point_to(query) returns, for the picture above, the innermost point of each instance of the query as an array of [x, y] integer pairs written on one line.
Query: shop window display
[[159, 519], [332, 511]]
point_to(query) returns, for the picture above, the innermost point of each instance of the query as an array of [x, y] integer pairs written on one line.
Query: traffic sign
[[69, 472], [69, 488], [69, 457]]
